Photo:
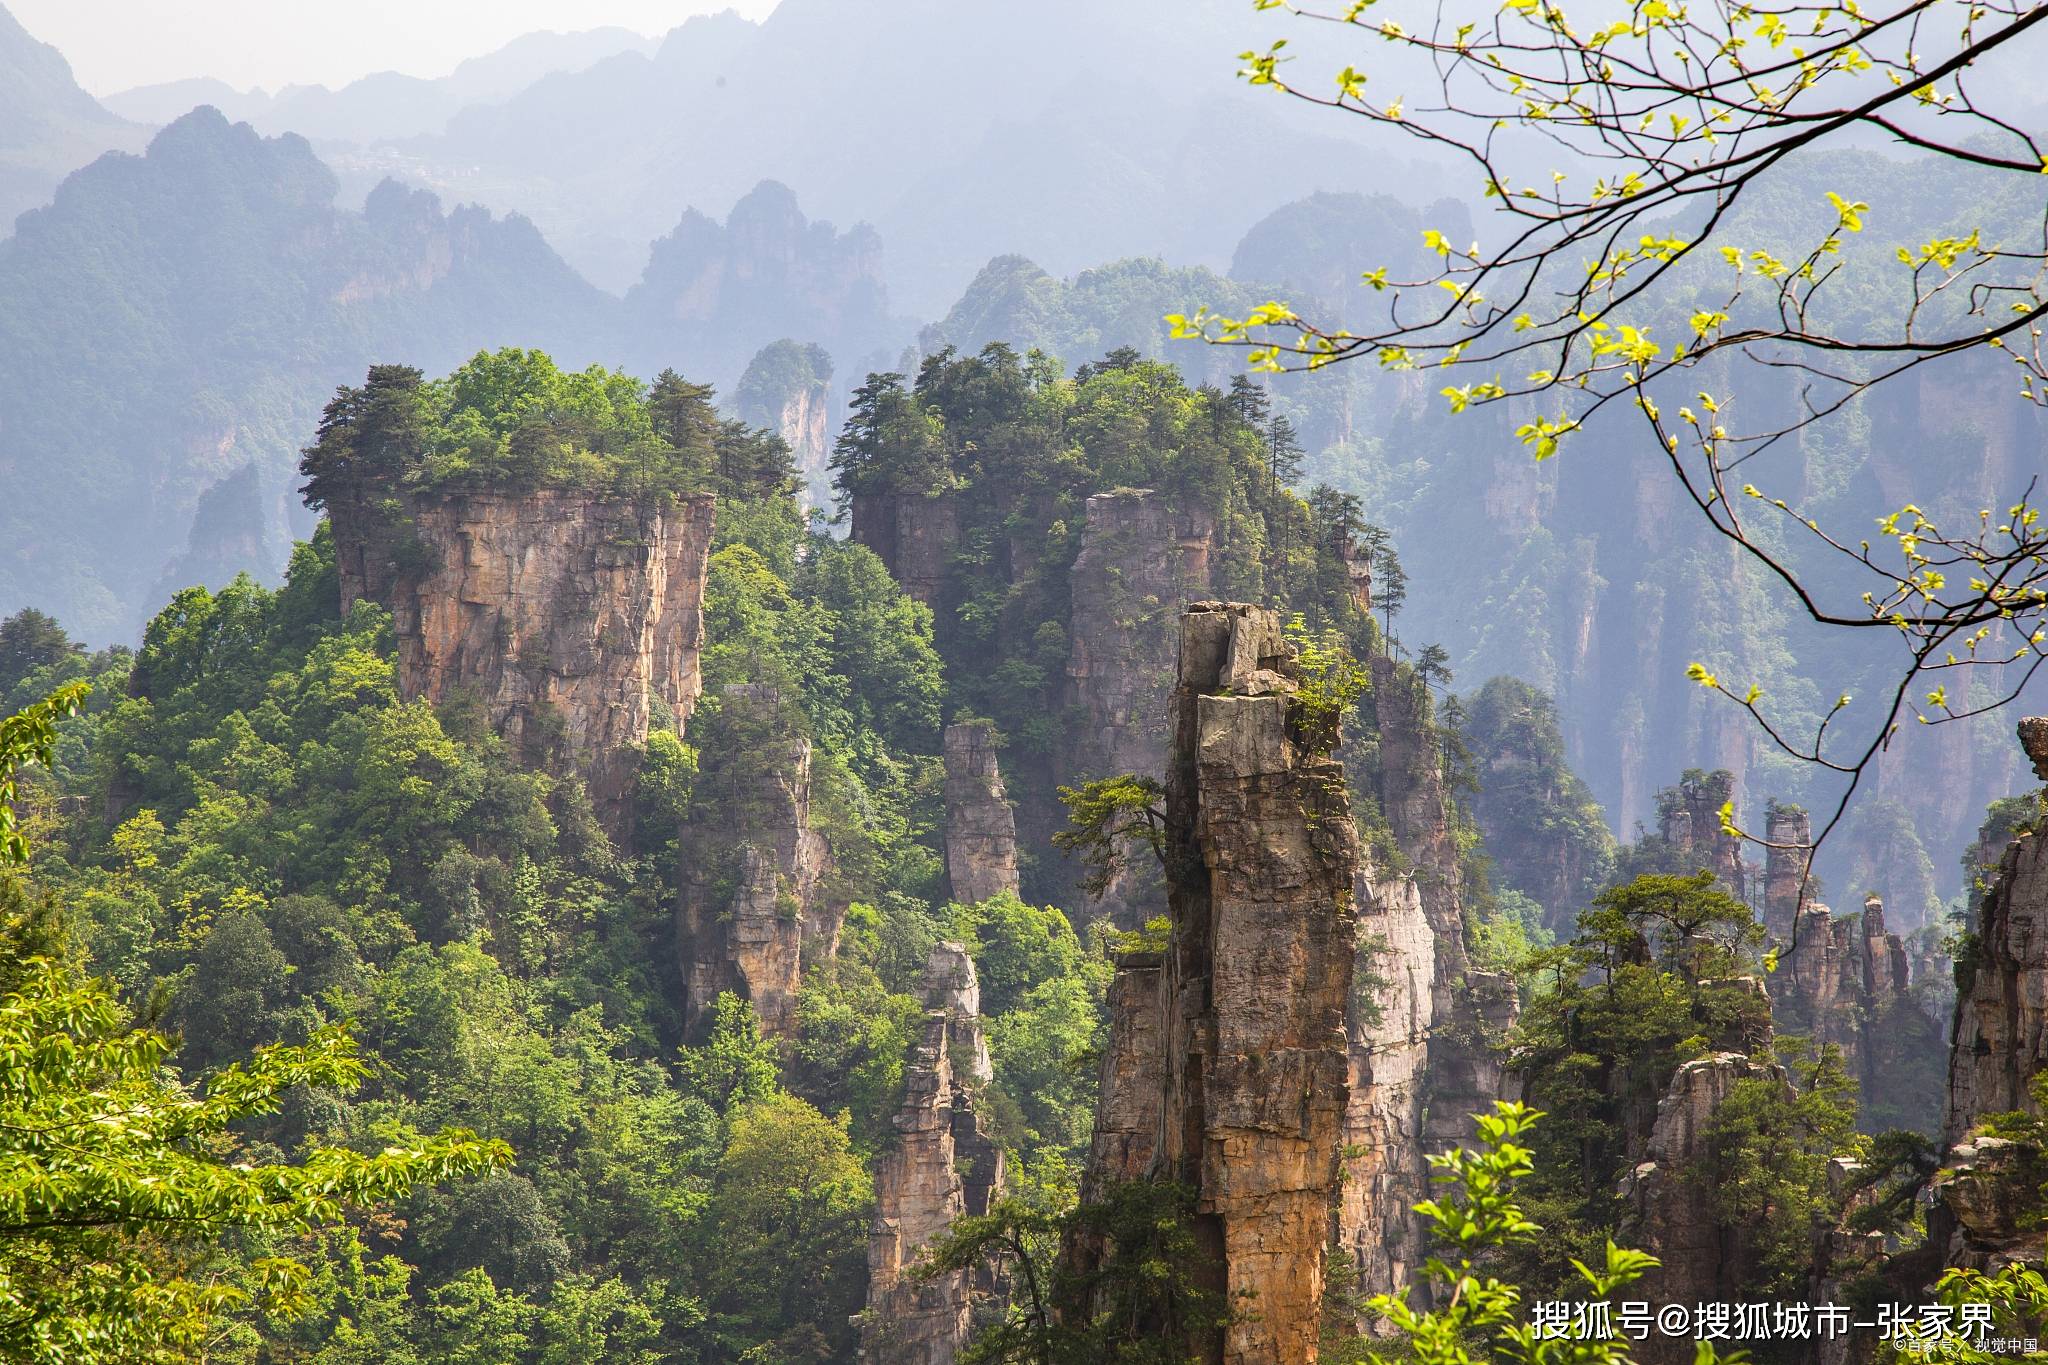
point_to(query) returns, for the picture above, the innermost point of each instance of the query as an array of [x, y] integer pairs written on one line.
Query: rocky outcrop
[[1394, 996], [1141, 560], [2001, 1026], [1982, 1190], [1788, 832], [1689, 819], [1424, 1027], [915, 535], [981, 829], [1250, 995], [1671, 1213], [752, 906], [1998, 1047], [1846, 981], [942, 1167], [1132, 1077], [787, 388], [567, 616]]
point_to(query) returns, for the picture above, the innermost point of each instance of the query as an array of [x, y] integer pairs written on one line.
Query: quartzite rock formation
[[1788, 832], [751, 908], [566, 614], [913, 533], [1845, 980], [1248, 1009], [942, 1167], [1423, 1023], [1671, 1211], [981, 829], [1141, 560], [1689, 818], [2001, 1029], [1998, 1048]]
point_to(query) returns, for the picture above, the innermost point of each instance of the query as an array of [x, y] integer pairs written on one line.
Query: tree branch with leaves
[[1628, 160]]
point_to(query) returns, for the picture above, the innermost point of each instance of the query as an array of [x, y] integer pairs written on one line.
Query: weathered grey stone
[[941, 1168], [981, 829], [565, 614], [1251, 995], [756, 939], [1141, 560], [1423, 1025], [915, 534], [1671, 1213]]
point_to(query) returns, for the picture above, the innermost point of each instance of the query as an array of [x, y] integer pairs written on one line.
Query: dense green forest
[[254, 835]]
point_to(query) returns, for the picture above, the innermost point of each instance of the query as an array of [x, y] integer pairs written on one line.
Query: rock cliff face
[[1997, 1048], [752, 908], [2001, 1029], [566, 615], [1422, 1023], [1847, 981], [1133, 1077], [787, 388], [1671, 1215], [1141, 561], [981, 829], [1250, 995], [1689, 819], [942, 1167], [1789, 832], [914, 534]]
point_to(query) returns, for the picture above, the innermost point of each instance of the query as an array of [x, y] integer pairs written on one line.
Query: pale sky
[[115, 44]]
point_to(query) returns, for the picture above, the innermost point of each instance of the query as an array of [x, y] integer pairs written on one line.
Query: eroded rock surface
[[1788, 831], [981, 829], [941, 1167], [915, 535], [1997, 1050], [2001, 1028], [1423, 1024], [1671, 1213], [1250, 995], [1689, 818], [567, 616], [752, 907], [1141, 560]]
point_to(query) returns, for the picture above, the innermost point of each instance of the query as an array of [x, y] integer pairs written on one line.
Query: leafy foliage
[[1476, 1316], [512, 418]]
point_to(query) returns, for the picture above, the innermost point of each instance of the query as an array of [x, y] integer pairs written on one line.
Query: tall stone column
[[1242, 1020], [981, 829]]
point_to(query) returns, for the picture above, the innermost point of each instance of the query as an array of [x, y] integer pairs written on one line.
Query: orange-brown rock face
[[981, 829], [1247, 1007], [1261, 858], [941, 1168], [566, 615]]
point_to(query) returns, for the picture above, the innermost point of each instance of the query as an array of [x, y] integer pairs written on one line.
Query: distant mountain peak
[[37, 88]]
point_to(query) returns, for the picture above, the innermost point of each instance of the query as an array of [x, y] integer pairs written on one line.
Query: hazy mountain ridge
[[173, 318], [385, 104], [49, 125]]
